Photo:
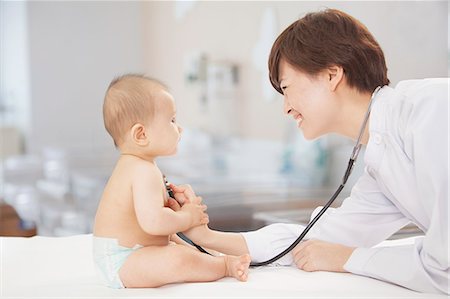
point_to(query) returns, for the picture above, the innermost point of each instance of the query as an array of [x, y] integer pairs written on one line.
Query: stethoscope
[[348, 171]]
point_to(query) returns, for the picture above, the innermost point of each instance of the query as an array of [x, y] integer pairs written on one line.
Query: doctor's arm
[[211, 240], [423, 266], [364, 219]]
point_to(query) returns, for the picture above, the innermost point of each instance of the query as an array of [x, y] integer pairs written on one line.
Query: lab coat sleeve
[[364, 219], [423, 266]]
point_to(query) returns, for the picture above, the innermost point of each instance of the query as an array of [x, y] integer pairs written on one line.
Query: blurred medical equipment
[[348, 171]]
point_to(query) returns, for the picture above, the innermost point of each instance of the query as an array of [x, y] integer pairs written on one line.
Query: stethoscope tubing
[[348, 171], [310, 224]]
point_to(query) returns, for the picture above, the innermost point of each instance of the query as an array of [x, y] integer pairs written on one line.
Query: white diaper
[[109, 257]]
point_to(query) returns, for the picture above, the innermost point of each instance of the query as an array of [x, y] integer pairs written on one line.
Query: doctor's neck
[[354, 105]]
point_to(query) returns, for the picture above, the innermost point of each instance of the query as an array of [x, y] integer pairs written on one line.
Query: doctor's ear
[[139, 134], [335, 75]]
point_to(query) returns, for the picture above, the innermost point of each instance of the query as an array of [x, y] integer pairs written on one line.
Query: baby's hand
[[196, 212]]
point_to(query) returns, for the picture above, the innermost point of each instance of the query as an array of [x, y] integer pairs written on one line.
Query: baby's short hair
[[129, 99]]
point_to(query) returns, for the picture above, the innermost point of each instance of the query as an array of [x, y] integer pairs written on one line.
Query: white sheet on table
[[63, 268]]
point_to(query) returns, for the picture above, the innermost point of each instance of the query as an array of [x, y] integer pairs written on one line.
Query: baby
[[135, 243]]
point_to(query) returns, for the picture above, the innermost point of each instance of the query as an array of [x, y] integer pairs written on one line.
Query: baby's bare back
[[116, 216]]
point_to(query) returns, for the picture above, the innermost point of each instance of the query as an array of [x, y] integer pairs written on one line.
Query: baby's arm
[[153, 217]]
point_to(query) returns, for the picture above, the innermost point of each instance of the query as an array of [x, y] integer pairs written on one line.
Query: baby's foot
[[237, 266]]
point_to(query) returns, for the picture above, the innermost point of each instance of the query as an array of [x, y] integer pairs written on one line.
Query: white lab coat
[[405, 180]]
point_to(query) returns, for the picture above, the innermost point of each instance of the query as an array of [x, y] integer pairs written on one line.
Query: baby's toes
[[244, 276], [245, 259]]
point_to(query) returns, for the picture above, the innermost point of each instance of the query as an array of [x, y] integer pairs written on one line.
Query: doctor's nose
[[287, 108]]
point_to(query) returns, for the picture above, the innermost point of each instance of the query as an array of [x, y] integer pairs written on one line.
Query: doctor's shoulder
[[414, 100], [415, 104], [430, 89]]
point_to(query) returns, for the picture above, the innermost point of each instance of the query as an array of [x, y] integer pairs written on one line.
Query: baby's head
[[139, 114]]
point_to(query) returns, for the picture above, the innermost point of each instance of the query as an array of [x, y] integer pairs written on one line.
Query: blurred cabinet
[[10, 223], [253, 211], [10, 142]]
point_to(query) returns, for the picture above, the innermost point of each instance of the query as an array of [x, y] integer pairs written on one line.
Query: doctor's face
[[307, 99]]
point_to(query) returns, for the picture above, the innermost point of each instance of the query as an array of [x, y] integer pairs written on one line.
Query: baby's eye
[[283, 87], [174, 120]]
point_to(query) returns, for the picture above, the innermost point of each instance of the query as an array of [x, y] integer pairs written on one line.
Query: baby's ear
[[139, 134]]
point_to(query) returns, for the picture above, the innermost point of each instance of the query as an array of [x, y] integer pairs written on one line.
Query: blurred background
[[238, 151]]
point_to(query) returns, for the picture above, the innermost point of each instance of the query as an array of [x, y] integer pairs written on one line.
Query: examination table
[[62, 267]]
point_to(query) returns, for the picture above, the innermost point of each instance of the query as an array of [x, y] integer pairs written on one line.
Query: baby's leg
[[154, 266]]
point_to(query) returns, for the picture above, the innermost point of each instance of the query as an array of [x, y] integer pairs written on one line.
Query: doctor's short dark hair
[[326, 38]]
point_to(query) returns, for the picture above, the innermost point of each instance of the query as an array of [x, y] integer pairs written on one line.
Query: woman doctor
[[327, 66]]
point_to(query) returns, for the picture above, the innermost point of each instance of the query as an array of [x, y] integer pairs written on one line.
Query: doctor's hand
[[184, 193], [175, 205], [316, 255]]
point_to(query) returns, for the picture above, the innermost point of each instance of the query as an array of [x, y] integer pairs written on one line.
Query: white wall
[[412, 34], [75, 49]]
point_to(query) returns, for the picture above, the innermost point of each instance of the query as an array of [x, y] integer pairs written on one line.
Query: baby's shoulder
[[145, 166], [135, 169], [145, 170]]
